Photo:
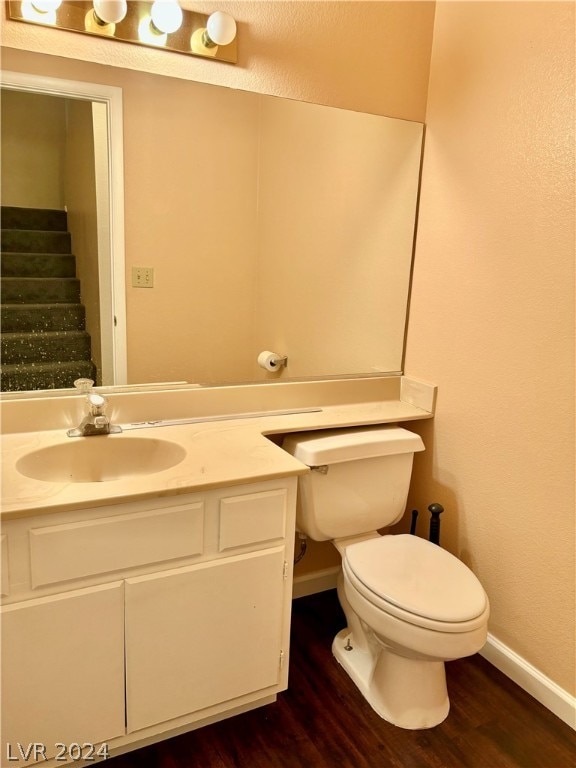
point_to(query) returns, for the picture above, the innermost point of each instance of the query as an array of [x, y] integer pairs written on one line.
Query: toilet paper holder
[[271, 361]]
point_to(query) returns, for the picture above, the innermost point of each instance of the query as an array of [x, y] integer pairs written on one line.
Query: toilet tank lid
[[333, 446]]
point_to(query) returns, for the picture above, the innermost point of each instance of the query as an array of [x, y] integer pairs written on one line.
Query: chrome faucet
[[95, 422]]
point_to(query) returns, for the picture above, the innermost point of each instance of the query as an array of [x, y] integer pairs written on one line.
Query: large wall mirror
[[249, 223]]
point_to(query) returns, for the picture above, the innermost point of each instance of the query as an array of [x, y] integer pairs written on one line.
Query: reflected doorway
[[63, 228]]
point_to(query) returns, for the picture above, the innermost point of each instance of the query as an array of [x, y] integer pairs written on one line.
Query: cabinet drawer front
[[252, 518], [79, 549]]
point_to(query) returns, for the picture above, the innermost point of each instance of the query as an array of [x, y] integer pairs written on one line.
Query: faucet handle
[[96, 400], [83, 385]]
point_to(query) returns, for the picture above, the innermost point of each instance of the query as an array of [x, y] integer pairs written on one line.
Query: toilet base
[[409, 693]]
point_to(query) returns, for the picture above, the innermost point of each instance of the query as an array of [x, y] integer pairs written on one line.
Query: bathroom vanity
[[149, 603], [143, 617]]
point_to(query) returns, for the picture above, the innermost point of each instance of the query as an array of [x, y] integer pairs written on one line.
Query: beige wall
[[80, 196], [491, 318], [190, 212], [336, 210], [33, 150], [369, 56]]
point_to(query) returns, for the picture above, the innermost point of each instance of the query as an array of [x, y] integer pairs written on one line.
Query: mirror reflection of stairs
[[43, 332]]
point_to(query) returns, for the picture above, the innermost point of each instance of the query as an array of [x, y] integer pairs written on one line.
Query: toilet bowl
[[409, 605]]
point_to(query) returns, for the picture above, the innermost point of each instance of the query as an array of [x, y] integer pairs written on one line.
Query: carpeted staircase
[[43, 337]]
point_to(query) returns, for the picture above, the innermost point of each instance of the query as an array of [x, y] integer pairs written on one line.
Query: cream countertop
[[218, 454]]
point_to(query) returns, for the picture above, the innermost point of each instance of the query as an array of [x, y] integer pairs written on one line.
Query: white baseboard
[[530, 679], [318, 581]]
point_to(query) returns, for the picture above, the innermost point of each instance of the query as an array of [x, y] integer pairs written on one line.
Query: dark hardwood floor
[[323, 722]]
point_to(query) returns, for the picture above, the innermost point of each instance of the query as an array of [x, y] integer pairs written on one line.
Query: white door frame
[[111, 253]]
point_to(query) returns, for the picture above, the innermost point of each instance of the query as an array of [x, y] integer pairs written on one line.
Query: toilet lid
[[417, 576]]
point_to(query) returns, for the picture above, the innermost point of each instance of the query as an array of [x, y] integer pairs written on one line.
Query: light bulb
[[220, 29], [166, 16], [46, 6], [149, 35], [110, 11]]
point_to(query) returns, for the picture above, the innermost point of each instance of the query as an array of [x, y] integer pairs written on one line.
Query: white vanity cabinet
[[218, 626], [63, 669], [129, 623]]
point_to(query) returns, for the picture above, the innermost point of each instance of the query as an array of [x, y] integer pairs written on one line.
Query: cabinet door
[[201, 635], [63, 669]]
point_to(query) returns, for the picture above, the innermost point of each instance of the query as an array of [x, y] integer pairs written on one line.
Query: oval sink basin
[[100, 459]]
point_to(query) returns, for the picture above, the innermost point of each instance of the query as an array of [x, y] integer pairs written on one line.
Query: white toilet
[[410, 605]]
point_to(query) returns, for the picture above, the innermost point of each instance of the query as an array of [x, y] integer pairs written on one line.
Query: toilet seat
[[417, 582]]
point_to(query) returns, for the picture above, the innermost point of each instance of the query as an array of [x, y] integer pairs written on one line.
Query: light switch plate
[[142, 277]]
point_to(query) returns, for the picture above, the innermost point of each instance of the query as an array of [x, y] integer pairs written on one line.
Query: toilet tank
[[359, 480]]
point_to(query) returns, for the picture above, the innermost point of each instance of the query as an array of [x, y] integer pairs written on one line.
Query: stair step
[[20, 377], [56, 346], [20, 318], [35, 241], [41, 290], [33, 218], [38, 265]]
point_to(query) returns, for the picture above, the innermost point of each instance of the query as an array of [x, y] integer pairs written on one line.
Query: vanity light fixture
[[160, 24], [46, 6], [109, 11], [166, 16], [41, 11], [220, 30]]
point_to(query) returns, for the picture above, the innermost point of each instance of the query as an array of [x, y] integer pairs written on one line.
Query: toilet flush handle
[[435, 511]]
